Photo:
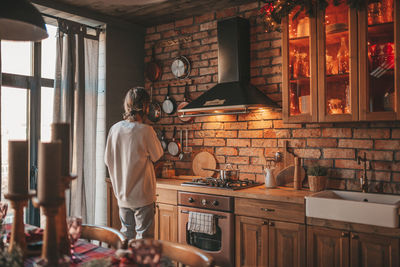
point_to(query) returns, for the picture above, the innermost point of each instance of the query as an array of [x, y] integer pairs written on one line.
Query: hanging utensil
[[186, 100], [181, 155], [153, 69], [154, 108], [169, 104], [186, 149], [174, 147], [181, 66], [163, 142]]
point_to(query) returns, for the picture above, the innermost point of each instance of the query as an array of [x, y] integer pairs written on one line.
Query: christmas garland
[[273, 11]]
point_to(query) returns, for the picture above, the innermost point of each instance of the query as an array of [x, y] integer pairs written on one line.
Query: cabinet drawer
[[167, 196], [274, 210]]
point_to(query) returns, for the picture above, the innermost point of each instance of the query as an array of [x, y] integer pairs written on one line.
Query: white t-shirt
[[131, 149]]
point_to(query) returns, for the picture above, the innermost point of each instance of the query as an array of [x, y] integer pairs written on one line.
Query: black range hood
[[233, 94]]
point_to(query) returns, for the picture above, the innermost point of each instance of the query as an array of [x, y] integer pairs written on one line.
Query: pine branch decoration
[[273, 11]]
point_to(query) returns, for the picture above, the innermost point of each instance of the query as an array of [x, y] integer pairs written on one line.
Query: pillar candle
[[49, 172], [60, 131], [18, 167]]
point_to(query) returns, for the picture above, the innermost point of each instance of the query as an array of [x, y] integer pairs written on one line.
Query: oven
[[219, 245]]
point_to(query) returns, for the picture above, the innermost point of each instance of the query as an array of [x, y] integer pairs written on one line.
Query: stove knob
[[204, 202], [191, 200], [215, 203]]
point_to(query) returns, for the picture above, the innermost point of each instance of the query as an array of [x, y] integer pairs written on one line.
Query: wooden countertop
[[284, 194]]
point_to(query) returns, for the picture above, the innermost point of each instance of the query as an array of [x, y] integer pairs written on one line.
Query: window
[[21, 100]]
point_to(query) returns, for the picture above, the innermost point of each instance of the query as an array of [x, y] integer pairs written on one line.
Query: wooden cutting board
[[285, 176], [204, 160], [287, 160], [284, 170]]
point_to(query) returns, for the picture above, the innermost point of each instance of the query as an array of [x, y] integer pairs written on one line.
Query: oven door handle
[[215, 215]]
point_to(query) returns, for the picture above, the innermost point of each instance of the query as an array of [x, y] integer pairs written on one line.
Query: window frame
[[33, 84]]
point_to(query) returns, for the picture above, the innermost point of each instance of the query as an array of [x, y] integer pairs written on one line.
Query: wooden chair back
[[184, 254], [103, 234]]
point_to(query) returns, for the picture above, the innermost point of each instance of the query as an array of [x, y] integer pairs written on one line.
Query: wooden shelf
[[338, 77], [334, 38], [379, 31], [301, 80], [300, 41]]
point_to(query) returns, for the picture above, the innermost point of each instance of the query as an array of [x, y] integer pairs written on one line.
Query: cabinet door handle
[[267, 210], [344, 234], [157, 195], [271, 224], [265, 223], [354, 236]]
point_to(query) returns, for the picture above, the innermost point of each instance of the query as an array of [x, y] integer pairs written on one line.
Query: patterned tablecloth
[[84, 250]]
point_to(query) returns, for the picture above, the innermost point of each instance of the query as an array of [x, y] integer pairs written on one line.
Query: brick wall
[[239, 139]]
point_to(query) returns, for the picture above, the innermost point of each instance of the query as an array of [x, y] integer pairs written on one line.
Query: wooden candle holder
[[18, 202], [50, 252], [61, 218]]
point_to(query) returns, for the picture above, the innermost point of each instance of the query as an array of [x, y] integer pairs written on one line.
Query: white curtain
[[75, 102]]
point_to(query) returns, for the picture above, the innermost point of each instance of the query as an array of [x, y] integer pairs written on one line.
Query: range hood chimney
[[233, 94]]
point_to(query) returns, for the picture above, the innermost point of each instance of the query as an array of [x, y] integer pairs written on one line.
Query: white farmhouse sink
[[356, 207]]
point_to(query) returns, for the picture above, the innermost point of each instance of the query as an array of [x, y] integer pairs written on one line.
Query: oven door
[[220, 246]]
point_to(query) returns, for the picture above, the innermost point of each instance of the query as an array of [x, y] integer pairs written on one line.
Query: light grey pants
[[140, 220]]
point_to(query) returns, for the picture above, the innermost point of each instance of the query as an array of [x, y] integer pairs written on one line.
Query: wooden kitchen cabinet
[[287, 244], [251, 241], [379, 60], [373, 250], [166, 217], [263, 240], [342, 64], [112, 208], [337, 248], [327, 247], [166, 222]]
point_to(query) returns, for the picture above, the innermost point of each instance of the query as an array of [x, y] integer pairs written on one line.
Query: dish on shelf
[[337, 27], [303, 28]]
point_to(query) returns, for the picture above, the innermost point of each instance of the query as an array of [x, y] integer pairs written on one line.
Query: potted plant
[[317, 177]]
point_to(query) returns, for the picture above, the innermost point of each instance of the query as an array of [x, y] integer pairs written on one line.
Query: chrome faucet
[[364, 178]]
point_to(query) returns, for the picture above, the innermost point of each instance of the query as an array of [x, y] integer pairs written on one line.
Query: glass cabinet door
[[379, 70], [299, 60], [337, 64]]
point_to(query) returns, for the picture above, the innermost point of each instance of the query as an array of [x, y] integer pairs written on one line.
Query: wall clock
[[180, 67]]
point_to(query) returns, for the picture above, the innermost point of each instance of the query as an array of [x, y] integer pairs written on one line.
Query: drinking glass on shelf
[[3, 211], [74, 224]]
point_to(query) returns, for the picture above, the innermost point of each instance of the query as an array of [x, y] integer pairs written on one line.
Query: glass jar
[[168, 170]]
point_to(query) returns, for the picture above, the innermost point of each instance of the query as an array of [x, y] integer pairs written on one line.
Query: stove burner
[[224, 184]]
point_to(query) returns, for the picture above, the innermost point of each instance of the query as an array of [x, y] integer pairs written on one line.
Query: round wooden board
[[204, 160]]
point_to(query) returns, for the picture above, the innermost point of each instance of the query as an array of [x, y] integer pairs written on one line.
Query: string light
[[267, 12]]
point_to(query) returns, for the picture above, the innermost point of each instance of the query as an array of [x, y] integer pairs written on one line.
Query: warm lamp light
[[21, 21]]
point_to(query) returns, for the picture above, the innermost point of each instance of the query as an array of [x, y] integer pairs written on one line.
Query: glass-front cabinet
[[379, 50], [341, 65], [300, 68], [337, 63]]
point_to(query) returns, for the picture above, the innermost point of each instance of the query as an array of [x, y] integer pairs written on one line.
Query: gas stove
[[222, 184]]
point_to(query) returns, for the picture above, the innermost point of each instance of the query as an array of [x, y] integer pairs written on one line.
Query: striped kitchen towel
[[202, 223]]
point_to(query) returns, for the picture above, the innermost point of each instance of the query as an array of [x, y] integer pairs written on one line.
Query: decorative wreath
[[272, 11]]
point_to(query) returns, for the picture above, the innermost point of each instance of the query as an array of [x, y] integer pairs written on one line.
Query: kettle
[[269, 178]]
